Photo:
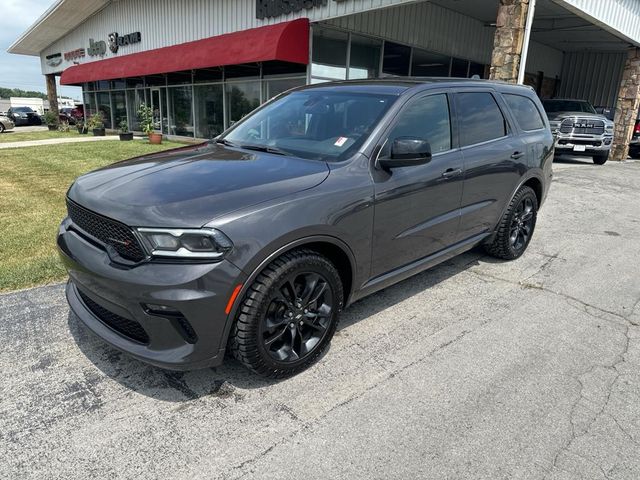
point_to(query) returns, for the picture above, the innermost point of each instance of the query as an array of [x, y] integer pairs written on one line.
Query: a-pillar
[[508, 40], [52, 94], [627, 106]]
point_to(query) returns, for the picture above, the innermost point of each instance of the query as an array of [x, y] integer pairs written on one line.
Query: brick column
[[508, 39], [627, 106], [52, 93]]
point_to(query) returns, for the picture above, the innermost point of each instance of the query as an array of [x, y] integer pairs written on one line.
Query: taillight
[[637, 129]]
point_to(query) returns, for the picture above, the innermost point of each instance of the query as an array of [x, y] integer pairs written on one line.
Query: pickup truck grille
[[107, 231], [582, 126]]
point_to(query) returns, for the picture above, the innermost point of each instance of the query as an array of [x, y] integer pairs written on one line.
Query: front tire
[[601, 159], [516, 226], [288, 315], [1, 128]]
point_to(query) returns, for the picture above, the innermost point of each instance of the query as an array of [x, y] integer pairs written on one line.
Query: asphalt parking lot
[[476, 369]]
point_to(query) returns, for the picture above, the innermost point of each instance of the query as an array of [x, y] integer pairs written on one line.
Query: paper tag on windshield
[[341, 141]]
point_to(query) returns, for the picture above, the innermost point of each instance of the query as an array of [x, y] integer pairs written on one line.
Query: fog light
[[607, 141]]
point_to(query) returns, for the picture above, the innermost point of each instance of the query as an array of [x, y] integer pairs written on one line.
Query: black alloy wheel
[[288, 315], [516, 227]]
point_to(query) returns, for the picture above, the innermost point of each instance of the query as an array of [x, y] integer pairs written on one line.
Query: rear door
[[417, 207], [493, 155]]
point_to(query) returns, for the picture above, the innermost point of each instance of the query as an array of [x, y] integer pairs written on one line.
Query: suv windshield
[[314, 124], [22, 109], [553, 106]]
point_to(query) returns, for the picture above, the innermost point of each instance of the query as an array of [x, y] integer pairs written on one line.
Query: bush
[[145, 114], [50, 118], [63, 126], [124, 126], [95, 121]]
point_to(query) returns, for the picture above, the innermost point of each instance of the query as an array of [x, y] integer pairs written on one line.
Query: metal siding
[[427, 26], [542, 58], [170, 22], [620, 17], [593, 76]]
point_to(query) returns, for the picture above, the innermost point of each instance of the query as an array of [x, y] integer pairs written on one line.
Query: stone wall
[[627, 106], [508, 40]]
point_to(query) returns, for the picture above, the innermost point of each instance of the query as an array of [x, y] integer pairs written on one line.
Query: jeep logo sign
[[96, 48], [116, 41]]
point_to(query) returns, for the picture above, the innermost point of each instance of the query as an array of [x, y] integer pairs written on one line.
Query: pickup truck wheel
[[288, 315], [516, 226], [1, 128], [601, 159]]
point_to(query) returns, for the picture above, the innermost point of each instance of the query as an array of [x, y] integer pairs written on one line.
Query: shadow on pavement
[[222, 381]]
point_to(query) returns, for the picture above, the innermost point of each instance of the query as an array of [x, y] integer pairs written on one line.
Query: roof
[[59, 19], [286, 41]]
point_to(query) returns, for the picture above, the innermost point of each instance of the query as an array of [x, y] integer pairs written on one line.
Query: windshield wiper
[[226, 142], [265, 148]]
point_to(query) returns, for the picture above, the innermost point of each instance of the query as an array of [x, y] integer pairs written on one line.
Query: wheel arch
[[337, 251]]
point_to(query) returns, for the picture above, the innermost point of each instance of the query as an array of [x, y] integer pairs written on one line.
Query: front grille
[[582, 126], [123, 326], [107, 231]]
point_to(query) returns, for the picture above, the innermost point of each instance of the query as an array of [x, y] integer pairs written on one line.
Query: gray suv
[[255, 242], [579, 129]]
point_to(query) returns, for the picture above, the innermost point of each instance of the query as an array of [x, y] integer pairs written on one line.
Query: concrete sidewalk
[[57, 141], [476, 369]]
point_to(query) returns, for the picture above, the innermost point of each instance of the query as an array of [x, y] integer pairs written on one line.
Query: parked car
[[24, 116], [634, 144], [66, 115], [6, 123], [579, 129], [258, 240]]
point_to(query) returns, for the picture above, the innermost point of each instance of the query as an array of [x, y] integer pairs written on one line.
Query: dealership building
[[203, 64]]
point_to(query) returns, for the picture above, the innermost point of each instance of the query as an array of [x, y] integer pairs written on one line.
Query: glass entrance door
[[159, 106]]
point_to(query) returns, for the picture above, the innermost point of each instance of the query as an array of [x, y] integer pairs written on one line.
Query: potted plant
[[82, 128], [145, 114], [125, 134], [96, 125], [51, 119]]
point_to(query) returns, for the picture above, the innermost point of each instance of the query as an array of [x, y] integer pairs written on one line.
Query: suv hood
[[188, 187]]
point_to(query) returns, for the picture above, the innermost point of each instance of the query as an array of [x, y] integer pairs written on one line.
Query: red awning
[[287, 41]]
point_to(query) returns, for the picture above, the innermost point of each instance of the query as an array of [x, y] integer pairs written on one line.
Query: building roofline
[[40, 34]]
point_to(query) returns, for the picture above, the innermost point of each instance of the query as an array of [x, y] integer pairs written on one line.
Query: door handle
[[517, 155], [451, 172]]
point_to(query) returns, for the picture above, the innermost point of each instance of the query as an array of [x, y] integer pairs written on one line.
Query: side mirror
[[406, 152]]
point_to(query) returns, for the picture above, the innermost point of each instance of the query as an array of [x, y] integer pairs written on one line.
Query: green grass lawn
[[17, 136], [33, 183]]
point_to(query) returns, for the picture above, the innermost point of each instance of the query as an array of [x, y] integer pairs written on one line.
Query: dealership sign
[[74, 54], [275, 8], [116, 41], [54, 59]]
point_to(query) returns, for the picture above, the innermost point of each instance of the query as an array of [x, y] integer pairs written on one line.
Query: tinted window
[[428, 118], [525, 111], [479, 118]]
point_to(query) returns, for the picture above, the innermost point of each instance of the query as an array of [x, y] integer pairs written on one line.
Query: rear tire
[[1, 128], [516, 226], [601, 159], [288, 315]]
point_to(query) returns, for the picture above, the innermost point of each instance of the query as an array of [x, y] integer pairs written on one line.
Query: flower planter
[[155, 138], [125, 137], [98, 132], [52, 128]]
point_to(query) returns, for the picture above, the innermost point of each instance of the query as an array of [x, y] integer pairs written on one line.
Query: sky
[[23, 71]]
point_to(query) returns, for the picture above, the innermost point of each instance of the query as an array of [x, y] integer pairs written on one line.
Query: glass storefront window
[[119, 102], [179, 78], [365, 57], [104, 107], [135, 98], [283, 68], [155, 80], [476, 69], [180, 114], [209, 110], [206, 75], [329, 54], [459, 68], [242, 98], [396, 59], [102, 85], [428, 64], [117, 84], [135, 82], [242, 70], [89, 104], [276, 86]]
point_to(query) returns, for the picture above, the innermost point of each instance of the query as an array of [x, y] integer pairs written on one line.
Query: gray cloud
[[23, 71]]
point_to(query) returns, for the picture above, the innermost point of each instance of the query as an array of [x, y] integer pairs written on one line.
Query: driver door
[[417, 208]]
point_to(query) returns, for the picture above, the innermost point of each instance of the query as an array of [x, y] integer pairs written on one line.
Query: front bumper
[[199, 292], [582, 144]]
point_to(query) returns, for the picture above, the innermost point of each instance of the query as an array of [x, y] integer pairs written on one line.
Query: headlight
[[197, 244]]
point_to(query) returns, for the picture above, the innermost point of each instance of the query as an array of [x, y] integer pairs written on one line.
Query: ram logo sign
[[116, 41]]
